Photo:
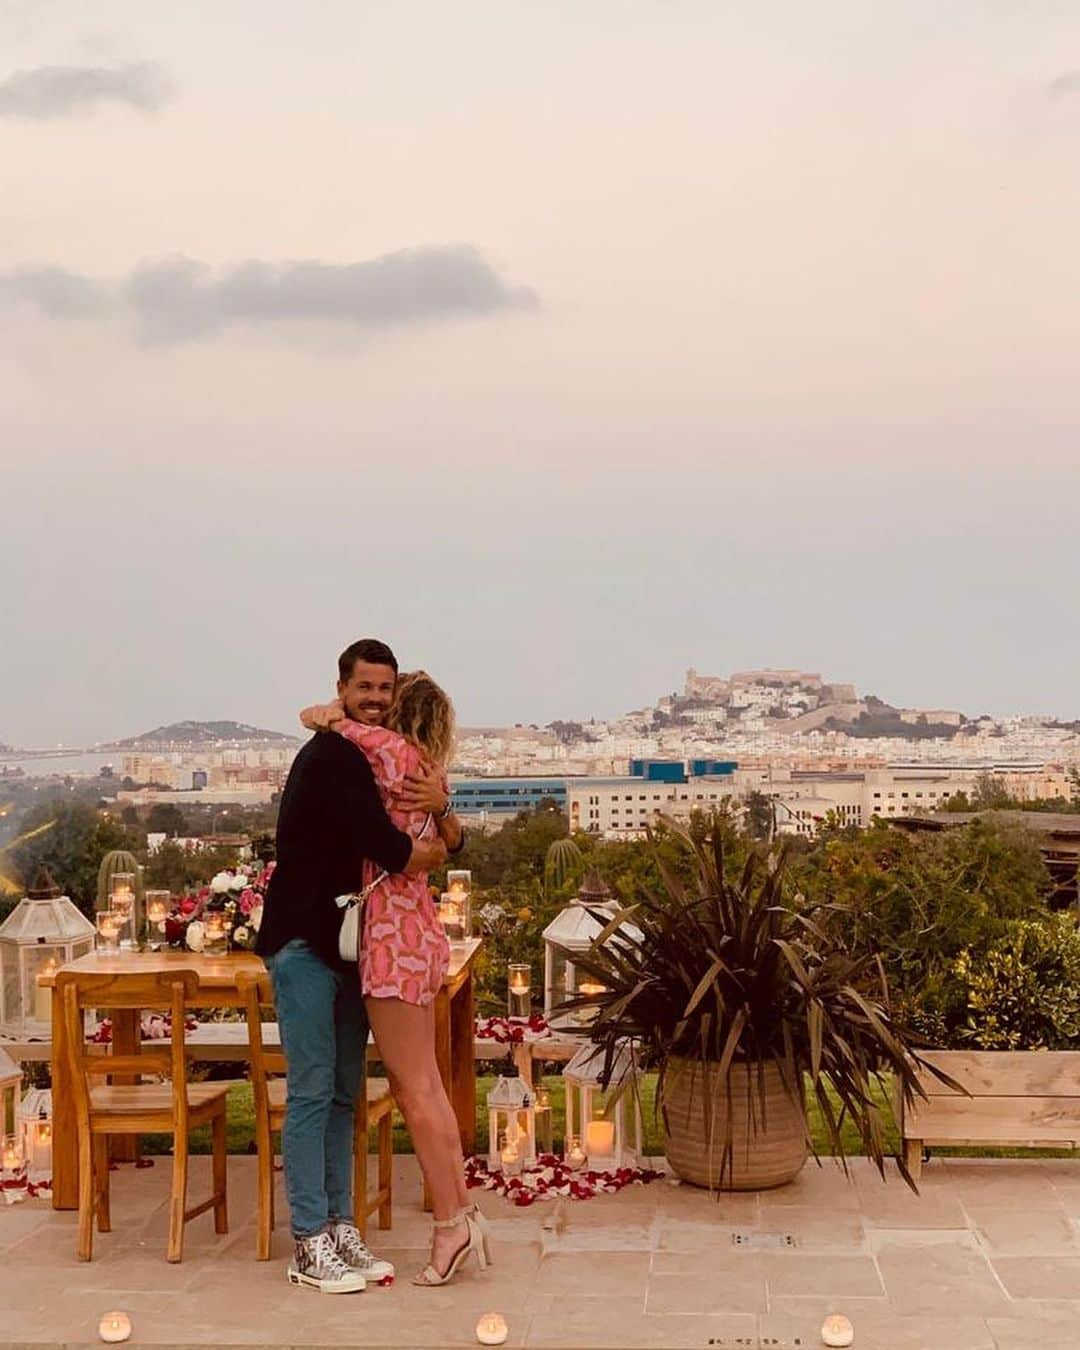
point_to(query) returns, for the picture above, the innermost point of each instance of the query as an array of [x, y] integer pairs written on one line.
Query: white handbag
[[351, 931], [351, 925]]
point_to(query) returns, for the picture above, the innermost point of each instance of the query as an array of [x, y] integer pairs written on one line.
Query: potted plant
[[742, 998]]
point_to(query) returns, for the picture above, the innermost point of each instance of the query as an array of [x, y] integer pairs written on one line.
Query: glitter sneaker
[[317, 1265], [357, 1255]]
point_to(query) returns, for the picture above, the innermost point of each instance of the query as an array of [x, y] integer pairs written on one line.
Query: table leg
[[127, 1040], [463, 1063], [65, 1129]]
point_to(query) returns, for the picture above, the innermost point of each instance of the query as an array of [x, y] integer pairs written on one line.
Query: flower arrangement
[[238, 893]]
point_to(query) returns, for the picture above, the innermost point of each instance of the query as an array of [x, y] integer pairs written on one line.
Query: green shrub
[[1023, 992]]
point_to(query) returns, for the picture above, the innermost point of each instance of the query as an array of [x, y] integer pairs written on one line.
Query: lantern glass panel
[[11, 984], [36, 1001]]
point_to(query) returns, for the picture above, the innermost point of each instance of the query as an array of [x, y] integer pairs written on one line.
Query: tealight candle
[[114, 1327], [492, 1329], [837, 1330], [13, 1158]]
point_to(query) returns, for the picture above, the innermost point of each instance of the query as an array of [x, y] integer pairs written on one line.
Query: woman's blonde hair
[[423, 714]]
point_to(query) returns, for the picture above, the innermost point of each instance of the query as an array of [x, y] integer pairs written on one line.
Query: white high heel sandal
[[476, 1241]]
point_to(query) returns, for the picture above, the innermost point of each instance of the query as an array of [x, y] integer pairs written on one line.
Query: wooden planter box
[[1019, 1099]]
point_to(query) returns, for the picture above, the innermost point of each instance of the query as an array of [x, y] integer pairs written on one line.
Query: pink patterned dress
[[404, 953]]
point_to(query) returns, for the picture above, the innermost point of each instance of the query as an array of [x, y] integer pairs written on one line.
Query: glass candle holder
[[518, 978], [109, 924], [158, 905], [216, 930], [453, 911], [573, 1153]]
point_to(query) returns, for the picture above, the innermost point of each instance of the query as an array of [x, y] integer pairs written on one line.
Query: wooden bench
[[1017, 1099]]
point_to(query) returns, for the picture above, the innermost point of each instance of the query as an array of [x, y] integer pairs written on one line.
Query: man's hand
[[426, 856], [322, 716], [424, 791]]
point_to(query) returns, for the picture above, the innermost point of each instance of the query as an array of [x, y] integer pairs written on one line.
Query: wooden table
[[454, 1019]]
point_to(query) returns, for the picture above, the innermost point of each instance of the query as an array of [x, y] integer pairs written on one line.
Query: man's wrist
[[448, 809]]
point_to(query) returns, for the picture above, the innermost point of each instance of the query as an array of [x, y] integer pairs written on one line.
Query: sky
[[563, 346]]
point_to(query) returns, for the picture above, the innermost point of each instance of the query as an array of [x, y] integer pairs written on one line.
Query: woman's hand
[[323, 716]]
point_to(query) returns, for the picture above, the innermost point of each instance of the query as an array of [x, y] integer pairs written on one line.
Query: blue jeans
[[324, 1030]]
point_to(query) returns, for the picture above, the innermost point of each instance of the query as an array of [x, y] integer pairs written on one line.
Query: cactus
[[562, 862], [118, 861]]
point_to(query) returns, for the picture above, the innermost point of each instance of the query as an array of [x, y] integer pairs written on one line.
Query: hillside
[[185, 734]]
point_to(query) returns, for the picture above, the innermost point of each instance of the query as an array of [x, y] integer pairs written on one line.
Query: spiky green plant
[[119, 860], [733, 972], [562, 862]]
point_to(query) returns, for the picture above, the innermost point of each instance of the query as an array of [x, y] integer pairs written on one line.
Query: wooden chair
[[373, 1108], [175, 1108]]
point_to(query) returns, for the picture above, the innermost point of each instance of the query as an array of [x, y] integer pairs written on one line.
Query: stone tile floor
[[986, 1258]]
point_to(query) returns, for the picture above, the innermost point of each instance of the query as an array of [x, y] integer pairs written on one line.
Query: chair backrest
[[257, 993], [165, 989]]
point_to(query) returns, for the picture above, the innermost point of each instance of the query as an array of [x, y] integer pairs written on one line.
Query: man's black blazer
[[331, 819]]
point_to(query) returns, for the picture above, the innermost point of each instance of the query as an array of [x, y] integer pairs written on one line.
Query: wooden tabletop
[[213, 971]]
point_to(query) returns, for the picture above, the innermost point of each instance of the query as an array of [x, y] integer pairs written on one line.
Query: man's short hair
[[371, 650]]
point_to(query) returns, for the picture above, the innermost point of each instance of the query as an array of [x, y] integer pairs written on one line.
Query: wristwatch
[[448, 808]]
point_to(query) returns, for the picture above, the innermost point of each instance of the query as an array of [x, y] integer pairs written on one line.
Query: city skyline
[[564, 348]]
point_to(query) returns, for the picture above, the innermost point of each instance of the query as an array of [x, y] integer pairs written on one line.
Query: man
[[331, 820]]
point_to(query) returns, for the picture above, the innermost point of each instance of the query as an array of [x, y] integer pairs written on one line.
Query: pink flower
[[247, 901], [188, 905]]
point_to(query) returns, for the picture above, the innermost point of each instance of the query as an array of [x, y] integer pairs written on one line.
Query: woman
[[403, 960]]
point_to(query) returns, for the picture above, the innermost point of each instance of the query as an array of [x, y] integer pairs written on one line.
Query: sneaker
[[357, 1255], [317, 1264]]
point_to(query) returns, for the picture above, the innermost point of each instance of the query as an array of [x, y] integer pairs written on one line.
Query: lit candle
[[510, 1157], [13, 1158], [837, 1331], [518, 984], [492, 1329], [43, 996], [217, 932], [42, 1150], [157, 906], [114, 1327], [108, 926], [600, 1138]]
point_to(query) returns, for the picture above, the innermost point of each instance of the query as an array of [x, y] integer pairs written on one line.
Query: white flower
[[195, 937], [221, 883], [239, 881], [240, 935], [255, 918]]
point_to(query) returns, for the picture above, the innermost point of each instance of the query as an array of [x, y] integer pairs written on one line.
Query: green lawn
[[242, 1131]]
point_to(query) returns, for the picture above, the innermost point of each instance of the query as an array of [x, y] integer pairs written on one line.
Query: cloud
[[1066, 84], [57, 293], [180, 299], [62, 91]]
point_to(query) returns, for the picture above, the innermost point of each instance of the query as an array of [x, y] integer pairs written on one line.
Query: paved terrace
[[988, 1258]]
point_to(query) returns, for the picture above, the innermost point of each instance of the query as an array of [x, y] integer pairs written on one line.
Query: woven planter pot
[[769, 1148]]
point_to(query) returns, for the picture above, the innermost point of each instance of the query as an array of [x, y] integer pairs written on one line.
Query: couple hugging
[[366, 809]]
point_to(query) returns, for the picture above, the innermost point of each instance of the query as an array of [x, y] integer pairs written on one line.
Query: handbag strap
[[358, 897]]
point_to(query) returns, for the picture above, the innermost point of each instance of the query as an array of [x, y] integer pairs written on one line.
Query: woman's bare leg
[[405, 1036]]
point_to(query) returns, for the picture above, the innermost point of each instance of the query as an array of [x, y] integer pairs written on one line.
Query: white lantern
[[34, 1131], [10, 1082], [511, 1116], [572, 932], [43, 930], [605, 1142]]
